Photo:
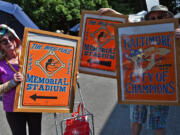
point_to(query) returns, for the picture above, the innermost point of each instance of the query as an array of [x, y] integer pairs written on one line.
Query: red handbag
[[78, 125]]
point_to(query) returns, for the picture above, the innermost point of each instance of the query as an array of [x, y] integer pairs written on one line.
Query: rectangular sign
[[49, 69], [147, 67], [98, 55], [48, 76]]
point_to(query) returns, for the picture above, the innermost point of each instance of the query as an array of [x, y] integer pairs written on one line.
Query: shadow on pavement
[[118, 121]]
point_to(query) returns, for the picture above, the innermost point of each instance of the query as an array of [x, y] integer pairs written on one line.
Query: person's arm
[[177, 31], [5, 87], [107, 11]]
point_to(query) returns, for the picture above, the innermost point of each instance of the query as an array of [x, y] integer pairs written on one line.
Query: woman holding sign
[[154, 115], [10, 48]]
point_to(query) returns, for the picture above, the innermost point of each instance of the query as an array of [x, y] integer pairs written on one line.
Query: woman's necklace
[[11, 66], [18, 54]]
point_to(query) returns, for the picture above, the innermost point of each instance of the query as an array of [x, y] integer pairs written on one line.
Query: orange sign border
[[146, 102], [18, 105], [97, 72]]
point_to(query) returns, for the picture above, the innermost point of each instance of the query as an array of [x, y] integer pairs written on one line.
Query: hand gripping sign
[[49, 66]]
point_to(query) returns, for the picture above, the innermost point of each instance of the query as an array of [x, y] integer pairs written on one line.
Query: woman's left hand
[[18, 77]]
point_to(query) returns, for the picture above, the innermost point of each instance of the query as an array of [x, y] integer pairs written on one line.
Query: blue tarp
[[18, 13]]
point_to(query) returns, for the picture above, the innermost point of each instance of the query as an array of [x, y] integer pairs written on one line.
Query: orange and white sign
[[98, 50], [149, 67], [49, 66], [48, 76], [148, 63], [98, 54]]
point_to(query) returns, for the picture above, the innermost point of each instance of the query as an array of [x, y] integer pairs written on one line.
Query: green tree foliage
[[63, 14], [134, 6], [57, 14], [172, 5], [127, 6], [121, 6]]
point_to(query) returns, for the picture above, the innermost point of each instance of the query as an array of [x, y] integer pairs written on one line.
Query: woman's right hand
[[18, 77], [177, 33]]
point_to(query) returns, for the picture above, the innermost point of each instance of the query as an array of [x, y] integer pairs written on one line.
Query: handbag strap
[[80, 106]]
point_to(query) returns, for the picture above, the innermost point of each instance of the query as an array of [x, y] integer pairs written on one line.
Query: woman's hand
[[103, 11], [177, 31], [18, 77], [77, 75]]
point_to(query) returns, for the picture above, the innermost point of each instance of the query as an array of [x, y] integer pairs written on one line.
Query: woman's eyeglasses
[[2, 31], [5, 41]]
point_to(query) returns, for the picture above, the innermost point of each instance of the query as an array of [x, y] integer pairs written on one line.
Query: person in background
[[10, 77], [154, 115]]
